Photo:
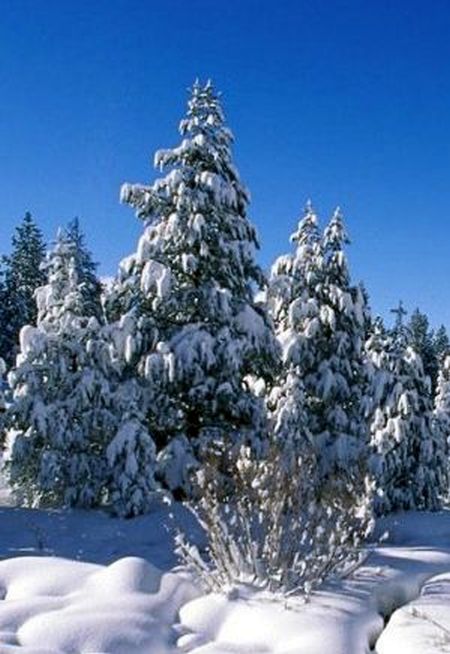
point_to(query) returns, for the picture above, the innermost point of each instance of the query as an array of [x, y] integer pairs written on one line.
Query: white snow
[[74, 581], [422, 625], [60, 606]]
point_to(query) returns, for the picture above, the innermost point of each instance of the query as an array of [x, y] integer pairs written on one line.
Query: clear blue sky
[[343, 102]]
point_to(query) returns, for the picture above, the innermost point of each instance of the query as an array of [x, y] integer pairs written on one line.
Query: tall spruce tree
[[190, 289], [408, 452], [22, 274], [320, 320]]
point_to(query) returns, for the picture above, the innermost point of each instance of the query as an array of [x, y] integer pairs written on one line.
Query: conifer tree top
[[199, 208], [204, 154]]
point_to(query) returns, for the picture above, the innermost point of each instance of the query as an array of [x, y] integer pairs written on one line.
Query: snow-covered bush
[[267, 528], [269, 519]]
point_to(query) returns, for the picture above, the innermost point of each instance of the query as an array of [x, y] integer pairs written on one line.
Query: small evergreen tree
[[2, 398], [49, 452], [442, 417], [441, 345], [422, 340], [190, 289], [408, 452], [89, 284], [320, 320], [131, 451], [22, 274], [70, 426]]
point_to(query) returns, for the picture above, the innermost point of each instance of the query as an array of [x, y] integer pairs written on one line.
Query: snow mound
[[422, 625], [57, 606]]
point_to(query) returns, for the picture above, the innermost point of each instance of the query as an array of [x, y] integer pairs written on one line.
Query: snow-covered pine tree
[[60, 409], [306, 315], [22, 275], [2, 398], [131, 451], [89, 284], [442, 416], [383, 414], [51, 460], [193, 276], [342, 376], [422, 340], [441, 344], [76, 435], [320, 321], [408, 452]]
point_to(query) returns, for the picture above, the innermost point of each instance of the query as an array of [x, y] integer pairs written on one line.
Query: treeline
[[279, 406]]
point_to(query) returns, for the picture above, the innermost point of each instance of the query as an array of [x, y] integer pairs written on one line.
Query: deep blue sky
[[343, 102]]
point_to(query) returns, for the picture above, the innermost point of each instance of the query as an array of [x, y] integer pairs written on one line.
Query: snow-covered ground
[[83, 582]]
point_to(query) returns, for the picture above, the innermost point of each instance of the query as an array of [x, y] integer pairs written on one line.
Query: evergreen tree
[[291, 518], [22, 275], [441, 344], [49, 455], [189, 288], [442, 415], [2, 397], [408, 453], [320, 321], [89, 284], [422, 340], [131, 451], [71, 408]]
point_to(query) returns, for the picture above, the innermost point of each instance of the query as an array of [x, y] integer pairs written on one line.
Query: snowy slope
[[95, 584]]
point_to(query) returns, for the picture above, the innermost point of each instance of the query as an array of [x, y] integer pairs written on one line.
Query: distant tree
[[409, 455], [441, 344], [442, 411], [422, 340], [2, 398], [89, 284], [22, 274]]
